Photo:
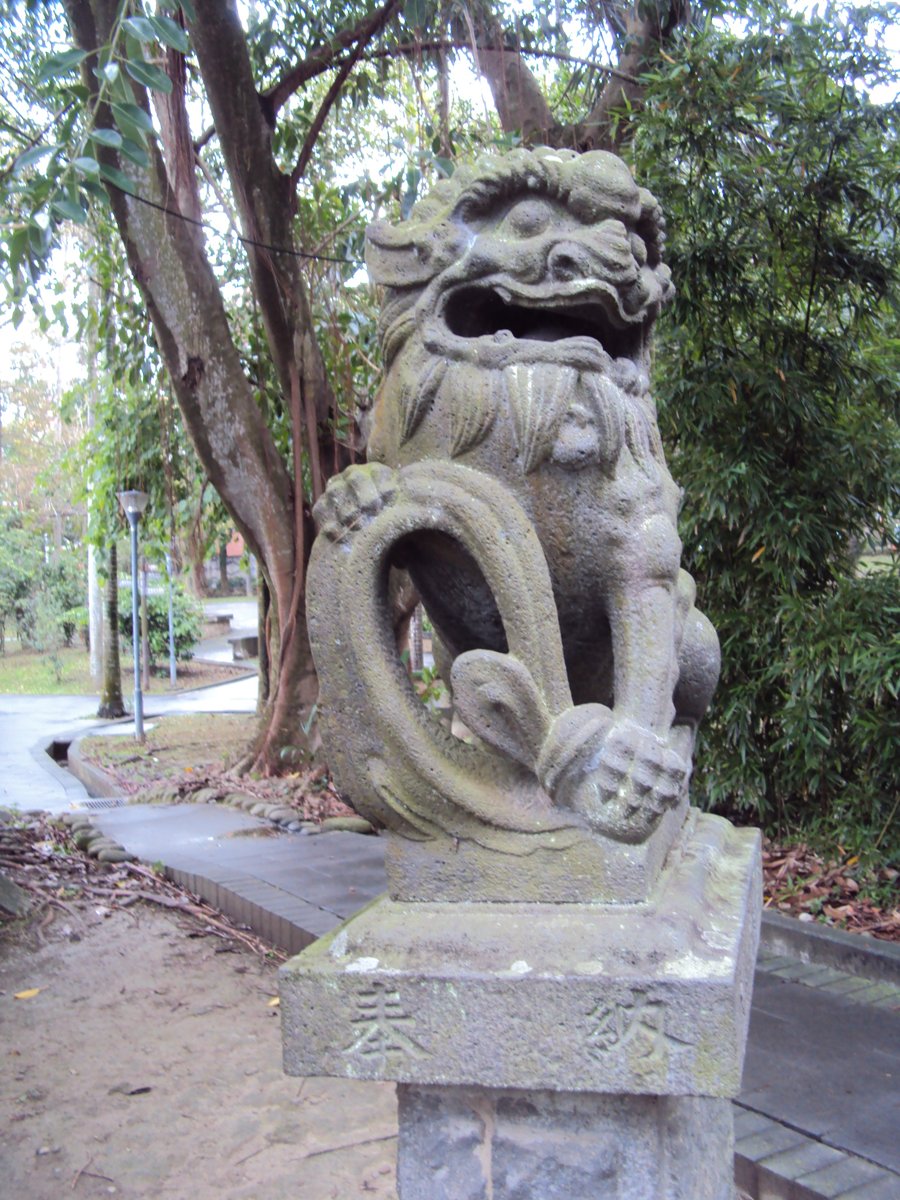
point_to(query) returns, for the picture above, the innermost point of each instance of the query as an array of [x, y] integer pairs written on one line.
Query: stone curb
[[97, 782], [827, 947], [42, 753], [277, 812], [775, 1162], [92, 841], [238, 672]]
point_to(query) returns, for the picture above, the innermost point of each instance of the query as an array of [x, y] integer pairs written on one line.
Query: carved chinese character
[[382, 1027]]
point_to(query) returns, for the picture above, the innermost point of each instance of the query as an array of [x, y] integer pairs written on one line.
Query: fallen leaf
[[274, 1002], [27, 994]]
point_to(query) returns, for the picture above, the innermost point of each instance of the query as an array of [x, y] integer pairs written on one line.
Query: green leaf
[[69, 210], [86, 166], [136, 153], [118, 179], [29, 157], [133, 121], [415, 13], [106, 137], [16, 247], [60, 64], [169, 32], [93, 188], [38, 239], [187, 7], [149, 76], [140, 28]]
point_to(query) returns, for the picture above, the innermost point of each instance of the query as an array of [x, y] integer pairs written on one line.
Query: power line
[[171, 212]]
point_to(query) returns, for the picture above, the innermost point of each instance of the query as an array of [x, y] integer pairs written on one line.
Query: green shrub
[[777, 375], [187, 622]]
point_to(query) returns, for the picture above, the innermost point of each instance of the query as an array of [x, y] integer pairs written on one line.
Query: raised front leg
[[632, 771], [353, 498]]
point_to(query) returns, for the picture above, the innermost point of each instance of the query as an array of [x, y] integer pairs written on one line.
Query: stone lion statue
[[519, 301]]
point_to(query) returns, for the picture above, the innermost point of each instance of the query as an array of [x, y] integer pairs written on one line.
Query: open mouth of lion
[[486, 312]]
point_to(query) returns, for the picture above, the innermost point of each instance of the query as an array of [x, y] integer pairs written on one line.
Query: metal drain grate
[[102, 803]]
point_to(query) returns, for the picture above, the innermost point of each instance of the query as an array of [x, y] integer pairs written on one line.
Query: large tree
[[143, 79]]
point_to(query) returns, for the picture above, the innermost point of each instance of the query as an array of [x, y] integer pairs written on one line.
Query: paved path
[[817, 1119], [28, 724], [243, 620]]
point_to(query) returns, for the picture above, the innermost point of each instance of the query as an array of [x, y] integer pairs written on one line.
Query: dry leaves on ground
[[802, 884], [185, 759]]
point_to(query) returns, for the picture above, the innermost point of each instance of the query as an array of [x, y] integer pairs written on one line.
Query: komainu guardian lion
[[519, 300]]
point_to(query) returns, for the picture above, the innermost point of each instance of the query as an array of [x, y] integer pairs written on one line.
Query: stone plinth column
[[568, 1050]]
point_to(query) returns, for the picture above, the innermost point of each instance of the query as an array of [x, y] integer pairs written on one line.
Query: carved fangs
[[475, 312]]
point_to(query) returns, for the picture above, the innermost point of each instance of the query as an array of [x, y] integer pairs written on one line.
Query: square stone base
[[568, 867], [646, 999], [475, 1143]]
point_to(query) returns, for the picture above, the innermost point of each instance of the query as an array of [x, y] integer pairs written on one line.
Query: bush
[[777, 374], [21, 561], [187, 622]]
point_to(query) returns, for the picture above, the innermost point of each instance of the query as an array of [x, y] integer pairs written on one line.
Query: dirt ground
[[149, 1065]]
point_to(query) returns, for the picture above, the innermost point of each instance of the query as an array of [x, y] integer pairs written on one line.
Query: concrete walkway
[[817, 1118]]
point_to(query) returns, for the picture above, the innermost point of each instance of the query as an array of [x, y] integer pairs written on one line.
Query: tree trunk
[[145, 630], [167, 258], [223, 568], [95, 616], [112, 705], [518, 96]]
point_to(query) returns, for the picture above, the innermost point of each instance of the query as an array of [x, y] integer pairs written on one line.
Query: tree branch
[[263, 195], [644, 32], [176, 136], [326, 56], [438, 44]]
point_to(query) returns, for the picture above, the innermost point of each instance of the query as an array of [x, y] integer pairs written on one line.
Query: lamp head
[[133, 503]]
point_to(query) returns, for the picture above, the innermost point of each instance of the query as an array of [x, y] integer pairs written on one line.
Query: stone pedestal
[[548, 1050], [473, 1143]]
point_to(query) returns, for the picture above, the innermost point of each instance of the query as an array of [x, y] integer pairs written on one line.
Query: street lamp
[[133, 504]]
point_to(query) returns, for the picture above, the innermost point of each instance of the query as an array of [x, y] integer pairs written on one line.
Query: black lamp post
[[133, 504]]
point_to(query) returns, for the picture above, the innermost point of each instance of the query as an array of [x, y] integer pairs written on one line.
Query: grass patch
[[186, 757], [176, 747], [27, 673]]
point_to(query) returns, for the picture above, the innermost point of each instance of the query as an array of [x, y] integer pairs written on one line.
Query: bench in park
[[244, 645]]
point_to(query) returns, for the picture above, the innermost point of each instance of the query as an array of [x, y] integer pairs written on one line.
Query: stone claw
[[353, 498], [625, 782]]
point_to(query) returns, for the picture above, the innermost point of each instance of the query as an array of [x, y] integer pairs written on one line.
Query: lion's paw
[[623, 787], [353, 498]]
